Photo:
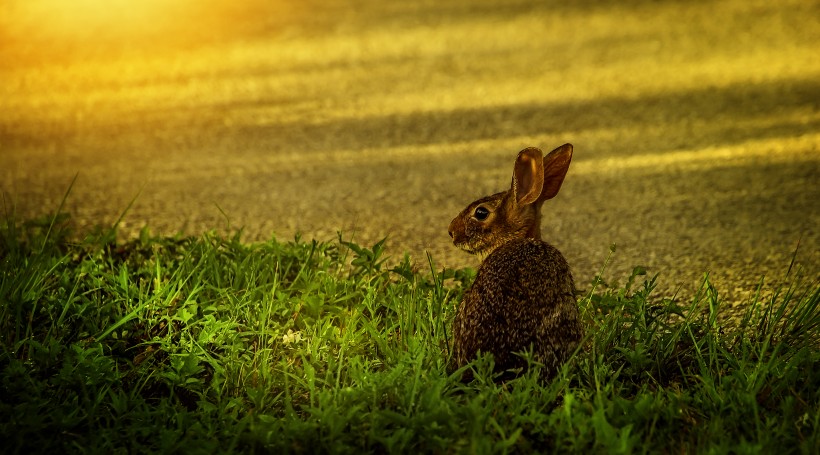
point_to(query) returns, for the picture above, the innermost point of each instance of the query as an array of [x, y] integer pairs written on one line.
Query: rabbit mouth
[[466, 247], [477, 250]]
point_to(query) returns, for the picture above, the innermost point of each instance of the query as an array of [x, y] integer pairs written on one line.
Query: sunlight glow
[[41, 30], [82, 19]]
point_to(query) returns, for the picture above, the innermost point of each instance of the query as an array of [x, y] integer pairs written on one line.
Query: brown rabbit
[[523, 296]]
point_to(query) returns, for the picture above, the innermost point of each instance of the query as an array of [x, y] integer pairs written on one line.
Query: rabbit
[[523, 296]]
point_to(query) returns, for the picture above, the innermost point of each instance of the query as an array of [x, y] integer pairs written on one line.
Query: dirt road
[[695, 124]]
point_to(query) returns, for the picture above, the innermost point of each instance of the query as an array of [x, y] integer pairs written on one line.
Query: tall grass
[[209, 344]]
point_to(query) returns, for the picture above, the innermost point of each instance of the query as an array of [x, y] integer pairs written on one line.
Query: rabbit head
[[494, 220]]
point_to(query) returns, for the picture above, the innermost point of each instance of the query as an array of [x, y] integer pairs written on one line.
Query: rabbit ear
[[528, 176], [556, 164]]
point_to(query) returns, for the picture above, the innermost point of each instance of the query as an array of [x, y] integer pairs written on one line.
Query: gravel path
[[695, 125]]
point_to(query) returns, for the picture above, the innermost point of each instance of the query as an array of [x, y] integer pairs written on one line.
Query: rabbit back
[[523, 297]]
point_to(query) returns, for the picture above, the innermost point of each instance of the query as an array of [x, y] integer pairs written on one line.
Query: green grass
[[209, 344]]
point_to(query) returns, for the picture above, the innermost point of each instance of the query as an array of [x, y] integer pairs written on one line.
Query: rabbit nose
[[452, 227]]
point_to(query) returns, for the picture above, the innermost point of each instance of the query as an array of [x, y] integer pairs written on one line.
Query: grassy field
[[208, 344]]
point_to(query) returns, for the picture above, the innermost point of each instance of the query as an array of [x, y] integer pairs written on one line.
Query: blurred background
[[695, 123]]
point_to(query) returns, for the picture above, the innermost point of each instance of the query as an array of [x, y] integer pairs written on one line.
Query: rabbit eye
[[481, 213]]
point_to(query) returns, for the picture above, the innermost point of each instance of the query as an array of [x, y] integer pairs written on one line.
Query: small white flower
[[291, 337]]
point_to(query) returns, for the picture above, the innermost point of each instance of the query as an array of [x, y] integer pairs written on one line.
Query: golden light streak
[[43, 31], [87, 18]]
